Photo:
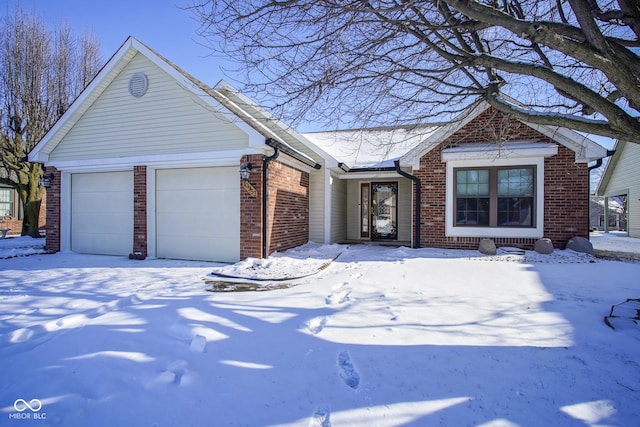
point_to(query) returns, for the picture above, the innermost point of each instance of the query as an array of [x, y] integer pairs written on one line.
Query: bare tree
[[571, 63], [41, 73]]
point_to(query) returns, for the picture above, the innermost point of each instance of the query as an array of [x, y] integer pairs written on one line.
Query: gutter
[[599, 161], [347, 169], [417, 215], [292, 152]]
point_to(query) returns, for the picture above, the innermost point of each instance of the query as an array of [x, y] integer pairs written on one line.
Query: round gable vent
[[138, 85]]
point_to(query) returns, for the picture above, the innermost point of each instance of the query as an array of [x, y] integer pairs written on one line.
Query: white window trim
[[489, 232]]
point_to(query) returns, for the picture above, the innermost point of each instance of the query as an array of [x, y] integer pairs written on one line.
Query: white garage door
[[102, 213], [198, 214]]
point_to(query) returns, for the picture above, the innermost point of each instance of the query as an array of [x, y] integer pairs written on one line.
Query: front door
[[384, 210]]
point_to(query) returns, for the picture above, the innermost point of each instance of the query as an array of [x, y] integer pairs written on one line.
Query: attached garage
[[102, 213], [198, 214]]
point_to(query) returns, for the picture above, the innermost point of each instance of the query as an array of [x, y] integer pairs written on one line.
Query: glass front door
[[384, 211]]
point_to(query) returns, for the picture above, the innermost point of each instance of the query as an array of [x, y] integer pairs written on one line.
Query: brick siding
[[140, 210], [566, 187], [251, 210], [52, 226], [288, 209], [15, 224]]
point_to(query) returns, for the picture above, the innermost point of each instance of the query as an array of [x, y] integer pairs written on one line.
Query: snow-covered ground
[[379, 337]]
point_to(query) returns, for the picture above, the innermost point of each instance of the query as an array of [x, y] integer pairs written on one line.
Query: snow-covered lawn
[[380, 337]]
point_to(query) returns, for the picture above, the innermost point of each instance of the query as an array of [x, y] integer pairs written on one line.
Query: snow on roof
[[373, 147]]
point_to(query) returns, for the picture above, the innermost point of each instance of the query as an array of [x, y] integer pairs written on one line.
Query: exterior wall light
[[245, 170], [45, 180]]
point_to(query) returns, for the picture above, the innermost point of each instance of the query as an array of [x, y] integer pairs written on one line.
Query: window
[[495, 196], [6, 203]]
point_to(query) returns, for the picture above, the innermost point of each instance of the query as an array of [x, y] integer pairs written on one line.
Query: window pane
[[6, 203], [515, 211], [515, 182], [472, 182], [472, 211], [5, 195]]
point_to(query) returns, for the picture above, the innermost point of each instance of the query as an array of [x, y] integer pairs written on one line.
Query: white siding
[[353, 209], [167, 119], [405, 195], [316, 205], [625, 179], [338, 210]]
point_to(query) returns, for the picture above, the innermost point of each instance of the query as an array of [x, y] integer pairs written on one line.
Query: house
[[146, 162], [620, 182], [11, 212], [616, 216]]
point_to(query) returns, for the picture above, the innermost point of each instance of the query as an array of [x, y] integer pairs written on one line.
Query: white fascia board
[[220, 158], [75, 110], [586, 149], [473, 152]]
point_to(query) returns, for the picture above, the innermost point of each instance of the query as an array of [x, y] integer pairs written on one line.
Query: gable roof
[[610, 167], [375, 147], [371, 147], [225, 99], [586, 150]]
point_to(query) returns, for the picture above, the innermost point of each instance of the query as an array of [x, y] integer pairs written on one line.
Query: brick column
[[52, 226], [139, 213], [251, 210]]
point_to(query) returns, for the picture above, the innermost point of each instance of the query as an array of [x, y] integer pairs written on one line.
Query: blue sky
[[160, 24]]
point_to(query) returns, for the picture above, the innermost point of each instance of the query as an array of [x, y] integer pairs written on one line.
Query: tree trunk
[[31, 194], [30, 223]]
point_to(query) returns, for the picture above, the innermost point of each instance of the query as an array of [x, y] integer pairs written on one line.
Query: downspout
[[417, 215], [265, 197], [599, 161]]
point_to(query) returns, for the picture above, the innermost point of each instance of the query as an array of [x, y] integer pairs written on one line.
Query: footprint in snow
[[316, 325], [321, 418], [347, 371], [172, 375], [338, 297]]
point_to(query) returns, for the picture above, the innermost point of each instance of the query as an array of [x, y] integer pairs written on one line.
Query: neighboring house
[[616, 217], [146, 162], [10, 210], [621, 179]]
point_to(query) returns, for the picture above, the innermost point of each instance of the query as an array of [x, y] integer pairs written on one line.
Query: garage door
[[102, 213], [198, 214]]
